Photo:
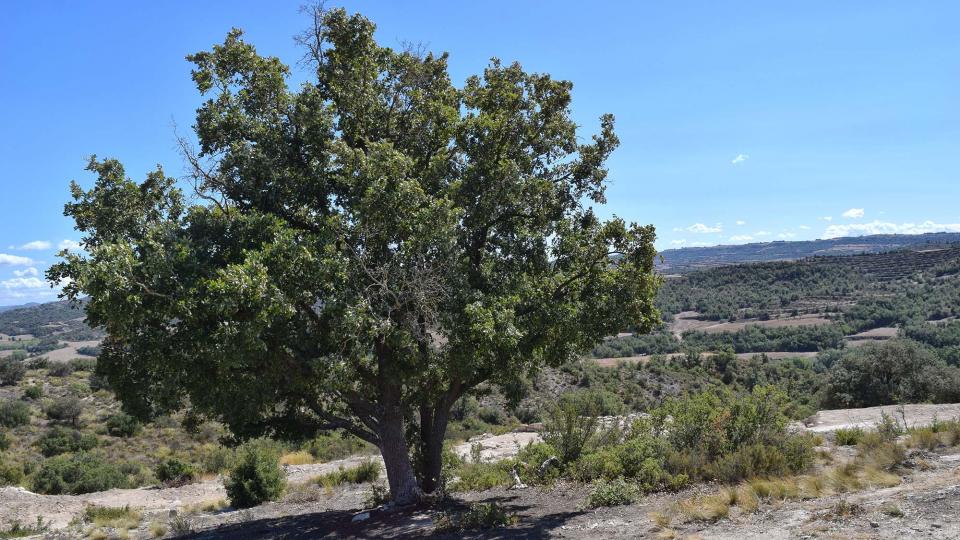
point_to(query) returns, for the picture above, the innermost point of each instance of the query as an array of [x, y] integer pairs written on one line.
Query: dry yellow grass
[[297, 458], [157, 529]]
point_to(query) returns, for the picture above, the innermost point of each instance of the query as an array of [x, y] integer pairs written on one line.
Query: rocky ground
[[926, 504]]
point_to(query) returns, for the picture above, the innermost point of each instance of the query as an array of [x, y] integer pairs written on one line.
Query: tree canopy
[[357, 252]]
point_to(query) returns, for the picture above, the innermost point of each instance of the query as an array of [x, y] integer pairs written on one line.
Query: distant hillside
[[676, 261], [52, 319], [8, 308]]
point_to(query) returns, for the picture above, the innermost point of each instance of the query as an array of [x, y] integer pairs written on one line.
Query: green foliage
[[570, 428], [11, 371], [476, 516], [61, 440], [83, 364], [615, 492], [174, 471], [123, 425], [11, 473], [215, 459], [18, 530], [326, 212], [331, 446], [896, 371], [74, 474], [33, 392], [66, 410], [368, 471], [4, 441], [848, 436], [60, 369], [14, 413], [482, 476], [256, 476]]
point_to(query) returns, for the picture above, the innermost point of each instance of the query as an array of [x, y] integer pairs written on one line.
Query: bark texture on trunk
[[433, 428], [396, 459]]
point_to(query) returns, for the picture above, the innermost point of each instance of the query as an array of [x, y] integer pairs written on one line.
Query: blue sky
[[739, 121]]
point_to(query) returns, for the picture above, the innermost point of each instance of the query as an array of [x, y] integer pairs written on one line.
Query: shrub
[[11, 371], [60, 370], [492, 415], [477, 516], [33, 392], [60, 440], [256, 477], [11, 473], [4, 441], [123, 425], [83, 364], [896, 371], [173, 471], [215, 459], [368, 471], [848, 436], [14, 413], [79, 473], [41, 362], [482, 476], [569, 429], [615, 492], [114, 517], [65, 410], [330, 446]]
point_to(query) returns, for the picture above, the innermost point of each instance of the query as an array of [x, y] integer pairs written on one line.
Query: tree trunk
[[396, 459], [433, 428]]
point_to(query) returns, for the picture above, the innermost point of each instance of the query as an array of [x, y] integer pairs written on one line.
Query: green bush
[[11, 371], [368, 471], [4, 441], [477, 516], [615, 492], [60, 370], [65, 410], [14, 413], [173, 471], [570, 428], [60, 440], [74, 474], [83, 364], [123, 425], [331, 446], [215, 459], [256, 477], [848, 436], [11, 473], [33, 392]]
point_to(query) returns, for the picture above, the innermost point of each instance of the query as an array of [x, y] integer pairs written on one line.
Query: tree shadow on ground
[[404, 523]]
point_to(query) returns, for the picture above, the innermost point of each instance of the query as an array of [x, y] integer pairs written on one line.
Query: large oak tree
[[358, 252]]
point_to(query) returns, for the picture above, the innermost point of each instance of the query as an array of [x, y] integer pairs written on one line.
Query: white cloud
[[885, 227], [27, 272], [15, 260], [786, 235], [827, 218], [699, 244], [35, 245], [804, 227], [69, 244], [762, 233], [740, 158], [700, 228], [741, 222], [23, 283], [678, 242], [853, 213], [741, 238]]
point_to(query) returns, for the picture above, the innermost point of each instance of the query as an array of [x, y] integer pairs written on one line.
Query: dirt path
[[915, 415]]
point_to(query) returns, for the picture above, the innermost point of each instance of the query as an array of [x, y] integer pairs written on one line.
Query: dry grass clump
[[708, 508], [301, 457], [209, 506], [116, 517], [157, 529]]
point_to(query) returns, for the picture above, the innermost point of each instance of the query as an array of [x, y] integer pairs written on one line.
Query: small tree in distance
[[361, 251]]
